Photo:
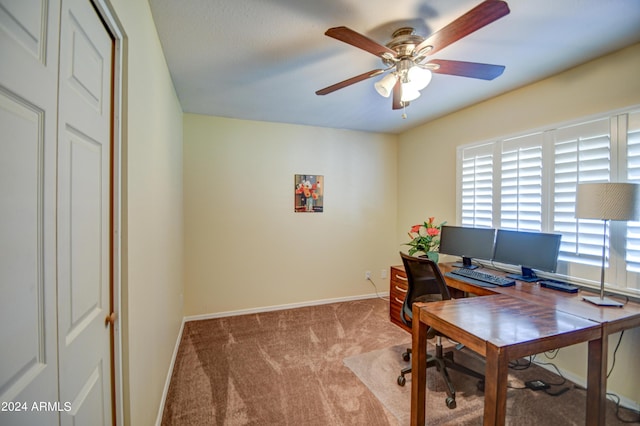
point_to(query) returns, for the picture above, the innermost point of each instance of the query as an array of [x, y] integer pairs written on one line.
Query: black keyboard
[[484, 277], [559, 285]]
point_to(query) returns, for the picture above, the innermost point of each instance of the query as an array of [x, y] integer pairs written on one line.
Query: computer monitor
[[468, 243], [529, 250]]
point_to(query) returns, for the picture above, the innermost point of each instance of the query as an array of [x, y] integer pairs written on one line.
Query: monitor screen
[[468, 243], [529, 250]]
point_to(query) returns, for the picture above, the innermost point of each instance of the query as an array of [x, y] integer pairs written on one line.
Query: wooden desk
[[571, 303], [549, 306], [500, 328]]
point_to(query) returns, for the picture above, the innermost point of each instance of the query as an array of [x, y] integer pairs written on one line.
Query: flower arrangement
[[425, 237]]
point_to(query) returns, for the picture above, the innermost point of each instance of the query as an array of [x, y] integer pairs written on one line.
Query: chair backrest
[[425, 284]]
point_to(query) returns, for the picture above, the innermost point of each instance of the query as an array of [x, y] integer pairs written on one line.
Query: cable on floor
[[386, 299]]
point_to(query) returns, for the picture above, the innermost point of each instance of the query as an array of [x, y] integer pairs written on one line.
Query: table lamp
[[607, 201]]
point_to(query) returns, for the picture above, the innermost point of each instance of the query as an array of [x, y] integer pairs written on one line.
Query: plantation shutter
[[633, 175], [529, 183], [477, 186], [521, 183], [582, 154]]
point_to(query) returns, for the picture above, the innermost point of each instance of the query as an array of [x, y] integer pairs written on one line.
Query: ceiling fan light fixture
[[419, 77], [403, 55], [384, 86], [409, 93]]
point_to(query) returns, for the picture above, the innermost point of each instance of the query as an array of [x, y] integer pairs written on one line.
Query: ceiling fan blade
[[356, 39], [397, 95], [349, 82], [467, 69], [478, 17]]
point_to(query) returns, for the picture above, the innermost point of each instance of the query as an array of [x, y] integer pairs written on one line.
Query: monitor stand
[[466, 264], [527, 275]]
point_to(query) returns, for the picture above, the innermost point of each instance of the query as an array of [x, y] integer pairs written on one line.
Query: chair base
[[443, 362]]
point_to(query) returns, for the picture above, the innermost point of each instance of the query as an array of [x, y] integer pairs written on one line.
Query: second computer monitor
[[529, 250], [468, 243]]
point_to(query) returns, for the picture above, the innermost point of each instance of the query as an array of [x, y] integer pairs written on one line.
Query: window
[[582, 153], [521, 183], [477, 186], [632, 260], [529, 183]]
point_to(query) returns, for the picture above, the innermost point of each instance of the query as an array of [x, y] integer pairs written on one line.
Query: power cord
[[540, 385], [611, 396], [552, 354], [376, 289], [537, 385], [558, 372], [516, 365], [615, 351], [616, 400]]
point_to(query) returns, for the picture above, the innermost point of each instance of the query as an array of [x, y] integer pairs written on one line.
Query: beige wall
[[245, 247], [152, 215], [603, 85]]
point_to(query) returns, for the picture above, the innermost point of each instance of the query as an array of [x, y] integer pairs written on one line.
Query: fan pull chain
[[404, 111]]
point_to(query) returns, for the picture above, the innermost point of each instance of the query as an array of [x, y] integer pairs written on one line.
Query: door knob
[[110, 319]]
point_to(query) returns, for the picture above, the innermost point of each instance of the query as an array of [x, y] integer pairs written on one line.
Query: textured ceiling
[[264, 60]]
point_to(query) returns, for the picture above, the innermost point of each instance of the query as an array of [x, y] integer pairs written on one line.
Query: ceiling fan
[[405, 53]]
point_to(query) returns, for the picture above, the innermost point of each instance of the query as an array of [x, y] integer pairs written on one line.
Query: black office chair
[[426, 284]]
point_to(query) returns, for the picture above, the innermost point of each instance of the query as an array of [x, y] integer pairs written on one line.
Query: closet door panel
[[28, 103]]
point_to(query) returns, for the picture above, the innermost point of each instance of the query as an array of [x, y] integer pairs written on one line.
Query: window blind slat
[[477, 187], [521, 183]]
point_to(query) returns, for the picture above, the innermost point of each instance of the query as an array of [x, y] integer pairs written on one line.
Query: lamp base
[[597, 300]]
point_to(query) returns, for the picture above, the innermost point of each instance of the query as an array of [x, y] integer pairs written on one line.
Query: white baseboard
[[282, 307], [169, 374]]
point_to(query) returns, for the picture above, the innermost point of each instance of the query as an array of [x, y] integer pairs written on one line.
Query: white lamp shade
[[384, 86], [409, 93], [608, 201], [418, 77]]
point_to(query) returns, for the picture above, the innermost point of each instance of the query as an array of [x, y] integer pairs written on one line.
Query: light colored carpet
[[280, 368], [379, 369], [375, 369], [288, 368]]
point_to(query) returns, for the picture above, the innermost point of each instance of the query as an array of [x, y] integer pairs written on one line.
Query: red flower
[[425, 237]]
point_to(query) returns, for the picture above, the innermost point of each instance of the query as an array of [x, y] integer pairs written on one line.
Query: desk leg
[[495, 386], [418, 368], [597, 381]]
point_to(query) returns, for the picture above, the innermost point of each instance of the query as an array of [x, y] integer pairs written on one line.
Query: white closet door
[[84, 221], [28, 102]]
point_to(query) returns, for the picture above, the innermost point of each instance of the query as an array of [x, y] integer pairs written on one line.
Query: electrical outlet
[[383, 273], [367, 275]]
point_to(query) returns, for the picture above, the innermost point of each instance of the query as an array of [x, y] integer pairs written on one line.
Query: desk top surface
[[504, 320], [572, 303]]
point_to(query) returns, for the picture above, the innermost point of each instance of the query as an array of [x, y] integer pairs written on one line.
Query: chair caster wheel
[[406, 356], [451, 403], [480, 385], [401, 380]]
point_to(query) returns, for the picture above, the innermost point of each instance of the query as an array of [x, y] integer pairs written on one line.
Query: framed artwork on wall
[[308, 193]]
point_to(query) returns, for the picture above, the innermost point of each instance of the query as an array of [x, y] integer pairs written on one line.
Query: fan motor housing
[[403, 42]]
